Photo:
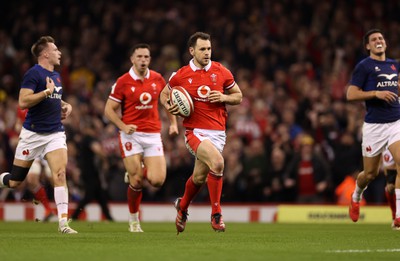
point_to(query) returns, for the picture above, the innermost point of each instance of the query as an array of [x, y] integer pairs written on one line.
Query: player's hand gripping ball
[[181, 97]]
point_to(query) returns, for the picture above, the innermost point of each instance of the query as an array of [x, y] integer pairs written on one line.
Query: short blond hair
[[40, 45]]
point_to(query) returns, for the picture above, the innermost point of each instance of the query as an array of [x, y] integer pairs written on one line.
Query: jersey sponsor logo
[[190, 80], [377, 69], [203, 92], [145, 98], [133, 88], [55, 96], [388, 82], [388, 76]]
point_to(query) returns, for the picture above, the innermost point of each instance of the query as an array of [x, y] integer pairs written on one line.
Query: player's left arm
[[164, 100], [66, 109], [173, 123], [232, 96]]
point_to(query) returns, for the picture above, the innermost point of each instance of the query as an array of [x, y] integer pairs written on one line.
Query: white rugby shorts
[[376, 137], [148, 144], [34, 145], [194, 137]]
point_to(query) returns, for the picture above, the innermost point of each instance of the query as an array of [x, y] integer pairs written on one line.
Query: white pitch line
[[364, 250]]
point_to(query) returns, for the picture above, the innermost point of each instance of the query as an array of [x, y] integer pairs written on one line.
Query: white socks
[[397, 192], [134, 217], [61, 199], [357, 194]]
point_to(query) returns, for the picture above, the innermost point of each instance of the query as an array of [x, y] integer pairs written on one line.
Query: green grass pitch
[[241, 241]]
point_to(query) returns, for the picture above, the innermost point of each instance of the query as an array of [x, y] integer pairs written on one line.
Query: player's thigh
[[394, 149], [200, 172], [133, 164], [156, 167], [57, 160], [33, 177], [371, 165], [210, 155]]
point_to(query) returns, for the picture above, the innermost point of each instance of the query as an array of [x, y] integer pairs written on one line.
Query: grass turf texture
[[112, 241]]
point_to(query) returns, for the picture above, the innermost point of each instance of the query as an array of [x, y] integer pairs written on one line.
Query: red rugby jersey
[[139, 99], [199, 83]]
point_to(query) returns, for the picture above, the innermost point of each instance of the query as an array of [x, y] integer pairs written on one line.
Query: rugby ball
[[178, 95]]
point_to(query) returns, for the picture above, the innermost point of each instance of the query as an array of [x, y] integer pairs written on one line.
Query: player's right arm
[[27, 98], [110, 111]]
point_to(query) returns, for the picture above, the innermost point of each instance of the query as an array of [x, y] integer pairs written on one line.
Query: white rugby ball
[[180, 96]]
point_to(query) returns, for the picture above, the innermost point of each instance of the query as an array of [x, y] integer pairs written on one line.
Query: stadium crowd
[[292, 60]]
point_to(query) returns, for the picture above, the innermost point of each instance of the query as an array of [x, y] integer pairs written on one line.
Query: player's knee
[[156, 182], [17, 175], [14, 183], [135, 181], [370, 176], [59, 178], [390, 188], [218, 166]]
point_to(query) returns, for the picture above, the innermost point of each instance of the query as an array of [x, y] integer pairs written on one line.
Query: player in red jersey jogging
[[211, 87], [136, 94], [43, 133]]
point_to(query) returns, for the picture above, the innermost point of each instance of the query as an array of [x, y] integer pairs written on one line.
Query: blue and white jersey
[[373, 75], [44, 117]]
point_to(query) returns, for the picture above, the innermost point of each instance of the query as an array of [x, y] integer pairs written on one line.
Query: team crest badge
[[213, 77], [128, 146]]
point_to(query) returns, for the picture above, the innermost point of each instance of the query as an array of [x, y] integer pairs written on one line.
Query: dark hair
[[198, 35], [40, 45], [366, 37], [139, 46]]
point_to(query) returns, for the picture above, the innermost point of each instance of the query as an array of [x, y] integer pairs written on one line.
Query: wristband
[[47, 92]]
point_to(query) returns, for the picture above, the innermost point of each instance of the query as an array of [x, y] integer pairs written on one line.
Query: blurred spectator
[[255, 166], [274, 190], [91, 161], [307, 174]]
